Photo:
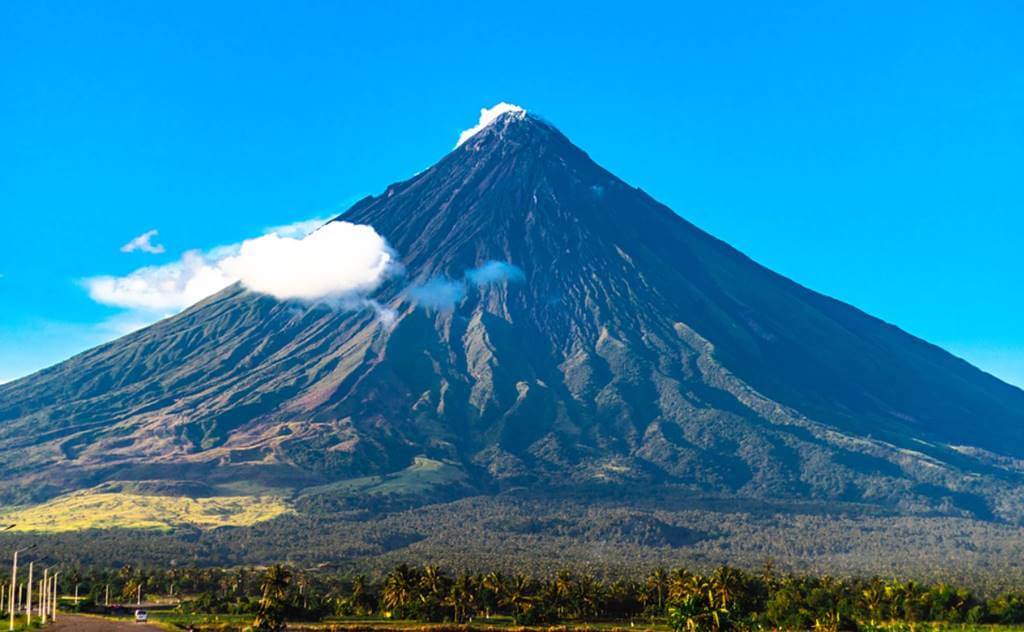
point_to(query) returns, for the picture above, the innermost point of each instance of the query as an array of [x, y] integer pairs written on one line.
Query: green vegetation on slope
[[422, 476]]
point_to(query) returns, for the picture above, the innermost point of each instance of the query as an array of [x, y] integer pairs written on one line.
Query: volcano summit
[[552, 329]]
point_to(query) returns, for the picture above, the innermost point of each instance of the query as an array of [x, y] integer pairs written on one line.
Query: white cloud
[[438, 293], [494, 272], [487, 115], [344, 262], [338, 260], [144, 242], [173, 286], [443, 293]]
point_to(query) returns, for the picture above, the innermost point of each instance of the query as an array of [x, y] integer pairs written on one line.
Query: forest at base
[[726, 598], [542, 534]]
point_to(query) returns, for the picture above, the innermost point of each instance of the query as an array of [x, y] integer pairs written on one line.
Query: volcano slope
[[555, 330]]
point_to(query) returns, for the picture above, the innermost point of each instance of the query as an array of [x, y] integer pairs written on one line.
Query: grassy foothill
[[91, 509]]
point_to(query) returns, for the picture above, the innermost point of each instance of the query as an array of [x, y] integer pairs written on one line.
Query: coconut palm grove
[[435, 599]]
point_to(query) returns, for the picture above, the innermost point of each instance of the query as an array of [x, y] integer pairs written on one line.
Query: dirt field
[[69, 623]]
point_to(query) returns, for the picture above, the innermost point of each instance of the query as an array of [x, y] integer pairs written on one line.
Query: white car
[[141, 616]]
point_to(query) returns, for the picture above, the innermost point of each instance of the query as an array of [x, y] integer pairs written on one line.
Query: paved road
[[73, 623]]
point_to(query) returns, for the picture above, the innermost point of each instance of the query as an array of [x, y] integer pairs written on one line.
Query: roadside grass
[[232, 622], [236, 623]]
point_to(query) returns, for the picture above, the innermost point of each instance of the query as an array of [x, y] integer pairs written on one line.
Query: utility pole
[[43, 601], [106, 599], [28, 597], [138, 595], [53, 611], [14, 580]]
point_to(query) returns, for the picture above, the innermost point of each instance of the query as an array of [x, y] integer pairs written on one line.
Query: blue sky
[[870, 151]]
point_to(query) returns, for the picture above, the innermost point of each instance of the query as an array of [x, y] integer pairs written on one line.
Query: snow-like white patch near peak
[[487, 116]]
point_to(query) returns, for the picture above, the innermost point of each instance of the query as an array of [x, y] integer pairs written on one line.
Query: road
[[70, 622]]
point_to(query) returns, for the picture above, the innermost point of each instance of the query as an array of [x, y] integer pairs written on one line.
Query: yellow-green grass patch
[[90, 509]]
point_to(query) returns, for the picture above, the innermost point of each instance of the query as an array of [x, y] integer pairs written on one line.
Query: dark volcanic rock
[[635, 350]]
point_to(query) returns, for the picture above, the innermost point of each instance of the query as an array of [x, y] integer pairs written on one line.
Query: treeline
[[548, 534], [725, 598]]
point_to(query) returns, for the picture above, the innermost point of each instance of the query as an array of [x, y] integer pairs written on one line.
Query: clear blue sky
[[870, 150]]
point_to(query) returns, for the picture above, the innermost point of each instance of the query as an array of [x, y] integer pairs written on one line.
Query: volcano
[[554, 329]]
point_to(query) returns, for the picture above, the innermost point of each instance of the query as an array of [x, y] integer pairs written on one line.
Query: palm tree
[[725, 582], [564, 592], [433, 582], [359, 594], [302, 581], [680, 584], [462, 598], [130, 582], [685, 615], [873, 596], [495, 583], [433, 585], [130, 589], [622, 598], [273, 599], [399, 587], [657, 582], [589, 594], [518, 595], [696, 613]]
